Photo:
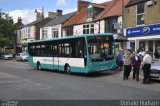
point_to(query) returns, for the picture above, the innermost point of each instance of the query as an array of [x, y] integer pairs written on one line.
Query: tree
[[7, 28]]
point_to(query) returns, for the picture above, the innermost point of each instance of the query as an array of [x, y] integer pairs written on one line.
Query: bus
[[88, 53]]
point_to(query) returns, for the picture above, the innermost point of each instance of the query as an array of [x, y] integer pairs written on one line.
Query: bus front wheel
[[67, 69], [39, 66]]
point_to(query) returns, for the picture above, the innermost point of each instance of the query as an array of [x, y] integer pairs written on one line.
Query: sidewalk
[[116, 77]]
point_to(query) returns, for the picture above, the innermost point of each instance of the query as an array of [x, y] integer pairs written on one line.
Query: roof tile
[[116, 10], [111, 8]]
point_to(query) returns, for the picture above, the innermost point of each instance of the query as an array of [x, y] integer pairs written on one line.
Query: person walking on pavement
[[127, 64], [146, 65], [120, 59], [136, 63]]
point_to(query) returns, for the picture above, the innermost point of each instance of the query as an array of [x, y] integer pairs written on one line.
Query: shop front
[[144, 37]]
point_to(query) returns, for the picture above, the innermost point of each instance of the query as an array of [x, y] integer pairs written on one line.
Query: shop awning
[[119, 38]]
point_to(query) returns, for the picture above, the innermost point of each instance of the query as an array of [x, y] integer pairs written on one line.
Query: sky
[[26, 8]]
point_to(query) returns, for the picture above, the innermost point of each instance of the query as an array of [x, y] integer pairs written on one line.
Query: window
[[87, 29], [92, 28], [55, 32], [90, 13], [41, 50], [69, 31], [74, 48], [140, 14], [25, 32], [29, 32], [100, 48], [44, 34], [109, 25]]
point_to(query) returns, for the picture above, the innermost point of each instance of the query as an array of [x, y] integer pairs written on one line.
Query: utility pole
[[122, 30], [122, 17]]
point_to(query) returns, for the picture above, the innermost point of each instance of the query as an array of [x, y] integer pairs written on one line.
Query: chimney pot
[[59, 12]]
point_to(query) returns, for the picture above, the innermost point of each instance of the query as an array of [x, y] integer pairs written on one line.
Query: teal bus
[[74, 54]]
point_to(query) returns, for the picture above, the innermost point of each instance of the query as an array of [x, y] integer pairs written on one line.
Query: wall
[[78, 29], [130, 17], [151, 15], [49, 31]]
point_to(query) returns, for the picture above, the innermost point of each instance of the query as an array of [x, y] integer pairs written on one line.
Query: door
[[55, 57]]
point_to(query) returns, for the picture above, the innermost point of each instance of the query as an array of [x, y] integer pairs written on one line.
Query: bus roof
[[70, 37]]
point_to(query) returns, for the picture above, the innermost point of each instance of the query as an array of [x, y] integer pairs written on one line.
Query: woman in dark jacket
[[136, 63]]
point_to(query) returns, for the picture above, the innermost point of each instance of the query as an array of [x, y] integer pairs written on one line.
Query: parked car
[[7, 56], [155, 70], [22, 56]]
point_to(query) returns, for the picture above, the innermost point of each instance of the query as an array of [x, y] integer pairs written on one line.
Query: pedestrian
[[120, 59], [141, 54], [131, 56], [136, 63], [157, 53], [127, 58], [146, 65]]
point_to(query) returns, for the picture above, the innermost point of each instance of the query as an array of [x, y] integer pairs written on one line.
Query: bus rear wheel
[[39, 66], [67, 69]]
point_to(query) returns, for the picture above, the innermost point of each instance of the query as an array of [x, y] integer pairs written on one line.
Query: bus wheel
[[39, 66], [68, 69]]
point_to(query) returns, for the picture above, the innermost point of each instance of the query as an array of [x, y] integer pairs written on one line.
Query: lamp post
[[15, 41], [122, 30]]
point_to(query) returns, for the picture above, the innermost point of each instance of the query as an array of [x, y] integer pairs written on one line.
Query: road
[[18, 81]]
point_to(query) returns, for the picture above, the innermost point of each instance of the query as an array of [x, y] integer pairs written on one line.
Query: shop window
[[157, 44], [150, 46], [132, 45], [142, 45]]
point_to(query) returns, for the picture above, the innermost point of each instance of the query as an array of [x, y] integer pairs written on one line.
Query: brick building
[[142, 24]]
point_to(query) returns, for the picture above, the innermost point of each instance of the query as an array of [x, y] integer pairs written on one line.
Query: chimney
[[39, 16], [59, 12], [52, 14], [82, 4], [19, 20]]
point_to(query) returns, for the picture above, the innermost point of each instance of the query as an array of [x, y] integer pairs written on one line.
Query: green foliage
[[7, 28]]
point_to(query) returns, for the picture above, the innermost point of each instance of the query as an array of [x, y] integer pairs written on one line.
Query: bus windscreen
[[100, 48]]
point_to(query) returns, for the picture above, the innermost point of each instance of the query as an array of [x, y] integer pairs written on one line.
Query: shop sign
[[143, 30]]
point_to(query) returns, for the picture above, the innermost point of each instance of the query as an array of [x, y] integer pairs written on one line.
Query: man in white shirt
[[146, 65]]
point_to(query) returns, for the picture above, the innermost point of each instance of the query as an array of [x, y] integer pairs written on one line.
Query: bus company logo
[[145, 30], [129, 32]]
